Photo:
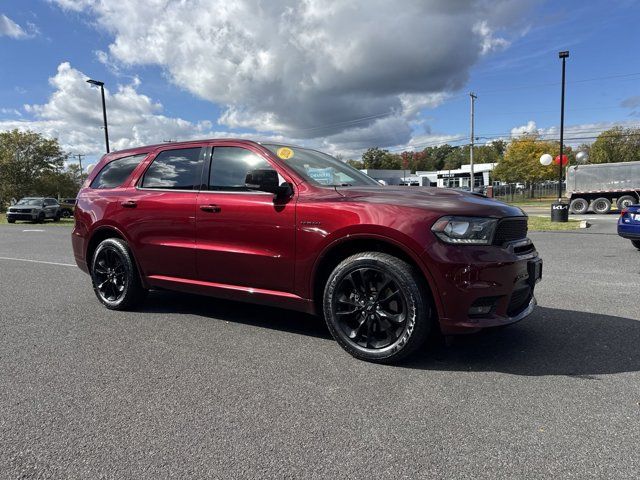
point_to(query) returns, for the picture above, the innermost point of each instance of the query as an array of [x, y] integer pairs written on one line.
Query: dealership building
[[456, 178]]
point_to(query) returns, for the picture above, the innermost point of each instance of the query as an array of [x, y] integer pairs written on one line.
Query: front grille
[[509, 230], [519, 301]]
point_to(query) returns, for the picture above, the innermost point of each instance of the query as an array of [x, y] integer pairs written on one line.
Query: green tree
[[521, 162], [25, 157], [616, 145], [376, 158]]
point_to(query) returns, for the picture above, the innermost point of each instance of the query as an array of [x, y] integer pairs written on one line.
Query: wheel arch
[[340, 249], [110, 231]]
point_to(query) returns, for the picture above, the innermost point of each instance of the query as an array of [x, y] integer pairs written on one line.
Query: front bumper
[[21, 216], [489, 276]]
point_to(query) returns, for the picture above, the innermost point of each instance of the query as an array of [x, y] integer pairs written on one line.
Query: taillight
[[624, 212]]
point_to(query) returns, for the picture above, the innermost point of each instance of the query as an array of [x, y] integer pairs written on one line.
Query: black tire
[[114, 276], [41, 218], [636, 243], [11, 220], [66, 213], [579, 206], [625, 201], [601, 205], [57, 217], [403, 317]]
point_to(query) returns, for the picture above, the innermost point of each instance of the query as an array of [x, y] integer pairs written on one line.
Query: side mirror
[[267, 180]]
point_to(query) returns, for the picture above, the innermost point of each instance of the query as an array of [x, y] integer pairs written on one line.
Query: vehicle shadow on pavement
[[239, 312], [550, 342]]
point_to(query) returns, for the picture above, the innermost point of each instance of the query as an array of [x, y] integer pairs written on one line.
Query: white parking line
[[33, 230], [38, 261]]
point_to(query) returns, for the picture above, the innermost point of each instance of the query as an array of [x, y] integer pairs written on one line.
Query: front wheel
[[11, 220], [376, 307], [636, 243], [114, 275]]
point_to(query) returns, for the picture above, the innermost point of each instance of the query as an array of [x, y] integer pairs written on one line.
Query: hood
[[442, 200]]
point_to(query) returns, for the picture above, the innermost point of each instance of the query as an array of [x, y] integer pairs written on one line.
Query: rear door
[[244, 237], [158, 212]]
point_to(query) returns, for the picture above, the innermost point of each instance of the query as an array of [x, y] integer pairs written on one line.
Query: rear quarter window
[[114, 173]]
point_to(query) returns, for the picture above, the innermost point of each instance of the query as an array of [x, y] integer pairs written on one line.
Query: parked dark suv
[[35, 209], [296, 228]]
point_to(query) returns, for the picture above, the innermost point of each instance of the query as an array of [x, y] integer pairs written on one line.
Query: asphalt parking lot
[[191, 387]]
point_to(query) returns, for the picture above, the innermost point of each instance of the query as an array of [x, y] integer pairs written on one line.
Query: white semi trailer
[[599, 186]]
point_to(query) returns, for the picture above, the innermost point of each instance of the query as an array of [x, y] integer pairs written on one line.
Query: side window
[[49, 202], [114, 173], [230, 166], [178, 169]]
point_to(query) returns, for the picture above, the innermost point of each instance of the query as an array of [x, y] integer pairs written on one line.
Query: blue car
[[629, 224]]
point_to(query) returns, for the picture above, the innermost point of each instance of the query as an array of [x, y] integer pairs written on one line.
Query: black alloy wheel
[[370, 307], [376, 307], [110, 274], [114, 275]]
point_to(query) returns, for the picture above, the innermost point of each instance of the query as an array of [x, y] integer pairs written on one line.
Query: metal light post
[[559, 209], [563, 55], [472, 176], [100, 84]]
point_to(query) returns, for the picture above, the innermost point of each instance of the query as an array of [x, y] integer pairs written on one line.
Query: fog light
[[483, 306], [480, 310]]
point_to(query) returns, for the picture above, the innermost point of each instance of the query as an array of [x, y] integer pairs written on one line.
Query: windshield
[[320, 168], [30, 201]]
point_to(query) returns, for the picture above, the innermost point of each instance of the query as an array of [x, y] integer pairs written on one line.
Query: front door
[[158, 213], [244, 237]]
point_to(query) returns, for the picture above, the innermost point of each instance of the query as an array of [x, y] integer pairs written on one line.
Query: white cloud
[[10, 111], [73, 114], [307, 69], [9, 28], [528, 129]]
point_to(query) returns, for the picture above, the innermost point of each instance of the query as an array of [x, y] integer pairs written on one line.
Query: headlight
[[465, 230]]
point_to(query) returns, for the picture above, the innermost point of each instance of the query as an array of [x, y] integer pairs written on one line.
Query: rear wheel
[[57, 217], [114, 275], [579, 206], [625, 201], [41, 217], [66, 213], [602, 205], [376, 307], [636, 243], [11, 220]]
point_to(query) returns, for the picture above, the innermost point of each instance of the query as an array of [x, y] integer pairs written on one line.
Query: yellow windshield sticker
[[285, 153]]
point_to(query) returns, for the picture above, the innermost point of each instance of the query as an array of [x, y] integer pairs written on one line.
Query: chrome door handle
[[210, 208], [129, 204]]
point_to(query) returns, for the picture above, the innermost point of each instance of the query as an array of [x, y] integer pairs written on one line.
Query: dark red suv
[[295, 228]]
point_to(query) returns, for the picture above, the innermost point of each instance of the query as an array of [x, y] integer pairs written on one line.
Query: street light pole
[[563, 55], [100, 84], [473, 102]]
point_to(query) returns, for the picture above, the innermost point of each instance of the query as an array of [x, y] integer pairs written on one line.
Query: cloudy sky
[[338, 75]]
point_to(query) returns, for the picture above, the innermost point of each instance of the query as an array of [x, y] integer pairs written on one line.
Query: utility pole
[[473, 101], [80, 162]]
